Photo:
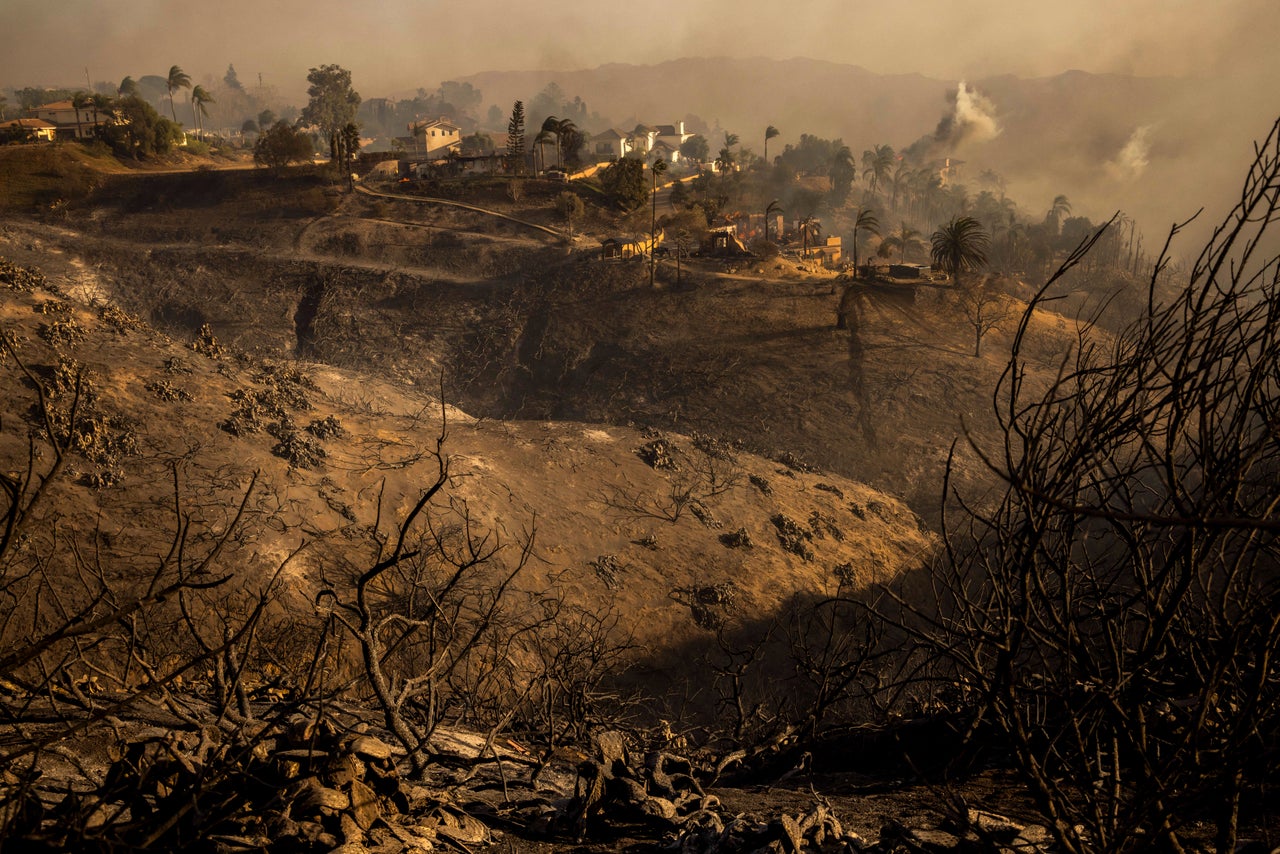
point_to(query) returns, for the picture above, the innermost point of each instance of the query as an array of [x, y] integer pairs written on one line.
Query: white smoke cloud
[[1132, 160], [972, 119]]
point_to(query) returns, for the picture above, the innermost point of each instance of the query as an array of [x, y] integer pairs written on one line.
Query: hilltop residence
[[29, 130], [69, 122]]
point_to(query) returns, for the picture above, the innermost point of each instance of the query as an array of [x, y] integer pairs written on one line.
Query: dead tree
[[1116, 613]]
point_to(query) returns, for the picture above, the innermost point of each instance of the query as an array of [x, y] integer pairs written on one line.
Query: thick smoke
[[971, 119], [1132, 160]]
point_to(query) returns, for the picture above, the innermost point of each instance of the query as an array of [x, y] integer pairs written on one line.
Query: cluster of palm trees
[[95, 103], [566, 135], [200, 98]]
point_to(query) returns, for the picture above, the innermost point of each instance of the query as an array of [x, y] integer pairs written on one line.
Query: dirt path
[[434, 201]]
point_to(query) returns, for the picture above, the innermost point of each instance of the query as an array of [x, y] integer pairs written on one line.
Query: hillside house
[[614, 144], [827, 253], [69, 122], [28, 130], [435, 137], [611, 144], [629, 247]]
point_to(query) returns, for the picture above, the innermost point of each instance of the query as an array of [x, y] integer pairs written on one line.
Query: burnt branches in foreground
[[1116, 613]]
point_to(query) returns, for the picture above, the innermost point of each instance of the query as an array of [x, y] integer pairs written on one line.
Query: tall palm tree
[[540, 142], [200, 98], [864, 220], [1060, 208], [902, 238], [876, 162], [844, 169], [810, 229], [960, 245], [177, 79], [564, 130], [770, 209], [769, 133], [898, 183], [128, 88], [549, 125], [79, 101], [659, 166]]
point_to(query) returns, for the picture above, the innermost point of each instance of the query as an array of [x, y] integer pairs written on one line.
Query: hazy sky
[[393, 46]]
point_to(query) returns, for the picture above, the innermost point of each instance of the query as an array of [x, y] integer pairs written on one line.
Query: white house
[[438, 136], [76, 124]]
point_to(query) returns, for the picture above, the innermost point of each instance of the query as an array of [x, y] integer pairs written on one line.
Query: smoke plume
[[1132, 160], [971, 119]]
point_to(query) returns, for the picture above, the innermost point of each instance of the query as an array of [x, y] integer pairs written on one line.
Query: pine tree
[[515, 138]]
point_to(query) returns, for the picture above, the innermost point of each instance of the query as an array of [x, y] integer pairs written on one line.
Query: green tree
[[200, 99], [332, 107], [136, 130], [266, 119], [232, 80], [623, 183], [280, 146], [128, 88], [960, 246], [177, 79], [695, 148], [769, 133], [515, 138]]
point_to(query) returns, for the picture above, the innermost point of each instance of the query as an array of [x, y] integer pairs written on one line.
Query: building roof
[[56, 105], [427, 124], [29, 124], [611, 133]]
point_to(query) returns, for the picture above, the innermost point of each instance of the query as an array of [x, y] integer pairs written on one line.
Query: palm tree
[[844, 169], [769, 133], [199, 99], [549, 125], [128, 88], [1060, 208], [864, 220], [99, 102], [960, 246], [79, 101], [659, 166], [810, 229], [544, 136], [177, 79], [877, 162], [772, 208], [901, 238], [564, 130]]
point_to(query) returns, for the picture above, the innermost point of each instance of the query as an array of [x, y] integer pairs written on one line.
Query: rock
[[610, 747], [371, 748], [659, 808], [365, 808], [350, 829]]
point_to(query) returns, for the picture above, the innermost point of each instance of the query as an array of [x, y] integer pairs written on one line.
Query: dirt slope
[[610, 527]]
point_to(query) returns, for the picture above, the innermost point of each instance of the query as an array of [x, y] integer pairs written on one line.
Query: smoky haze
[[986, 78]]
